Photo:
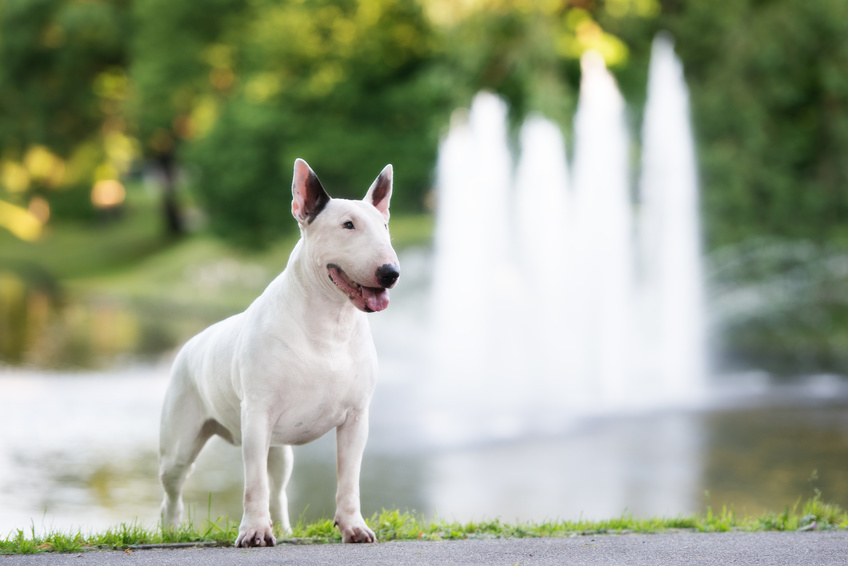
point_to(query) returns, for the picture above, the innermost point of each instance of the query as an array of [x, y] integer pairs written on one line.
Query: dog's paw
[[255, 535], [171, 512], [354, 529]]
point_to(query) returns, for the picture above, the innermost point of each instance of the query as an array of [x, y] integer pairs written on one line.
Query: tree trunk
[[174, 223]]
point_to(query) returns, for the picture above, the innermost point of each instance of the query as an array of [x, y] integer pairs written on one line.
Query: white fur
[[299, 362]]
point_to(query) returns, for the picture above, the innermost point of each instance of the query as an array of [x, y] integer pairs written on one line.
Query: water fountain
[[472, 252], [553, 299], [672, 285], [603, 265]]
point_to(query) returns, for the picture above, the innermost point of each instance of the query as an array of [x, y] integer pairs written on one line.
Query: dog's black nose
[[387, 275]]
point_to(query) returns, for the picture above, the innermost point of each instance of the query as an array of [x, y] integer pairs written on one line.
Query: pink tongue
[[376, 299]]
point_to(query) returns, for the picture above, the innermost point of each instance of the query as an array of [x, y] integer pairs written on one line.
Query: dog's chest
[[315, 394], [310, 409], [310, 373]]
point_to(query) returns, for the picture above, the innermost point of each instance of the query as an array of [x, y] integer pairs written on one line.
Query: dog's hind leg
[[184, 431], [280, 459]]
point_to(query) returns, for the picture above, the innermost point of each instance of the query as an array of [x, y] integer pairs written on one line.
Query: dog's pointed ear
[[381, 191], [308, 195]]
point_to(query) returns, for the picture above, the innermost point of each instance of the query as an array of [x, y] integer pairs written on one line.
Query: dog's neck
[[319, 306]]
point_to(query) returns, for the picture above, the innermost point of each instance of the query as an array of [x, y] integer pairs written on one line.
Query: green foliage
[[512, 53], [52, 53], [344, 85], [173, 49], [320, 531], [770, 102], [243, 183], [62, 89], [122, 535], [829, 515], [721, 522], [20, 544], [236, 90], [349, 86], [73, 251]]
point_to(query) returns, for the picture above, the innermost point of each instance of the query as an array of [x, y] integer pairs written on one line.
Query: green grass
[[77, 249], [390, 525]]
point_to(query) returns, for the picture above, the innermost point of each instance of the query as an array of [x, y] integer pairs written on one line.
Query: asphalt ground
[[772, 549]]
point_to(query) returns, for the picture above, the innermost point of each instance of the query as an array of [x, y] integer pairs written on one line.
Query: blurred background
[[145, 161]]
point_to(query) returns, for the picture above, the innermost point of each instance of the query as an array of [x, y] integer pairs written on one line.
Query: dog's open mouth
[[368, 299]]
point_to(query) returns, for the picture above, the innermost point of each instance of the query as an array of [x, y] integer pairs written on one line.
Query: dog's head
[[348, 238]]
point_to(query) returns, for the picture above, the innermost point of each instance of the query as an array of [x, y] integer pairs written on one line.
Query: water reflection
[[645, 466], [76, 448], [44, 326], [779, 451], [80, 451], [28, 296]]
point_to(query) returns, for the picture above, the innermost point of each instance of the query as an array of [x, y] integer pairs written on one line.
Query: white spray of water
[[674, 322], [543, 210], [474, 293], [603, 265], [546, 307]]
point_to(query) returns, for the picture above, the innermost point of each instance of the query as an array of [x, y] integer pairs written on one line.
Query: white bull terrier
[[298, 362]]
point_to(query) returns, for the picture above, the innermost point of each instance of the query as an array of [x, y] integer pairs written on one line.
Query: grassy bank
[[394, 525]]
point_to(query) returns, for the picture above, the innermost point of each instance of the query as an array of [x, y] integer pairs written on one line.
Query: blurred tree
[[180, 61], [62, 88], [241, 88], [345, 85], [770, 101], [528, 51], [511, 52], [244, 88]]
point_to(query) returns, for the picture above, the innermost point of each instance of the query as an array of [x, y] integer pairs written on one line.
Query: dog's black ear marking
[[308, 195], [318, 197], [381, 191]]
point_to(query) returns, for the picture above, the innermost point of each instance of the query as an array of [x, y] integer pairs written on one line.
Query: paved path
[[772, 549]]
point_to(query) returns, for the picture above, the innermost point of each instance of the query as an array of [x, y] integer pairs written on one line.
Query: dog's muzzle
[[367, 299]]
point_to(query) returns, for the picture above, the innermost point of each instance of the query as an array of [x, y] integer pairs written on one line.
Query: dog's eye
[[348, 225]]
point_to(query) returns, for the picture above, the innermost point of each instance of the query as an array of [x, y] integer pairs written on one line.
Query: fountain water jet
[[604, 263], [673, 297], [543, 210], [547, 307], [475, 293]]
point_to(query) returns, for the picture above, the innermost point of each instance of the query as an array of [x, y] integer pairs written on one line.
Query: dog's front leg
[[351, 437], [255, 528]]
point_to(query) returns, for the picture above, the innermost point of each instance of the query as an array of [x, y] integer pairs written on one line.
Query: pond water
[[78, 449]]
